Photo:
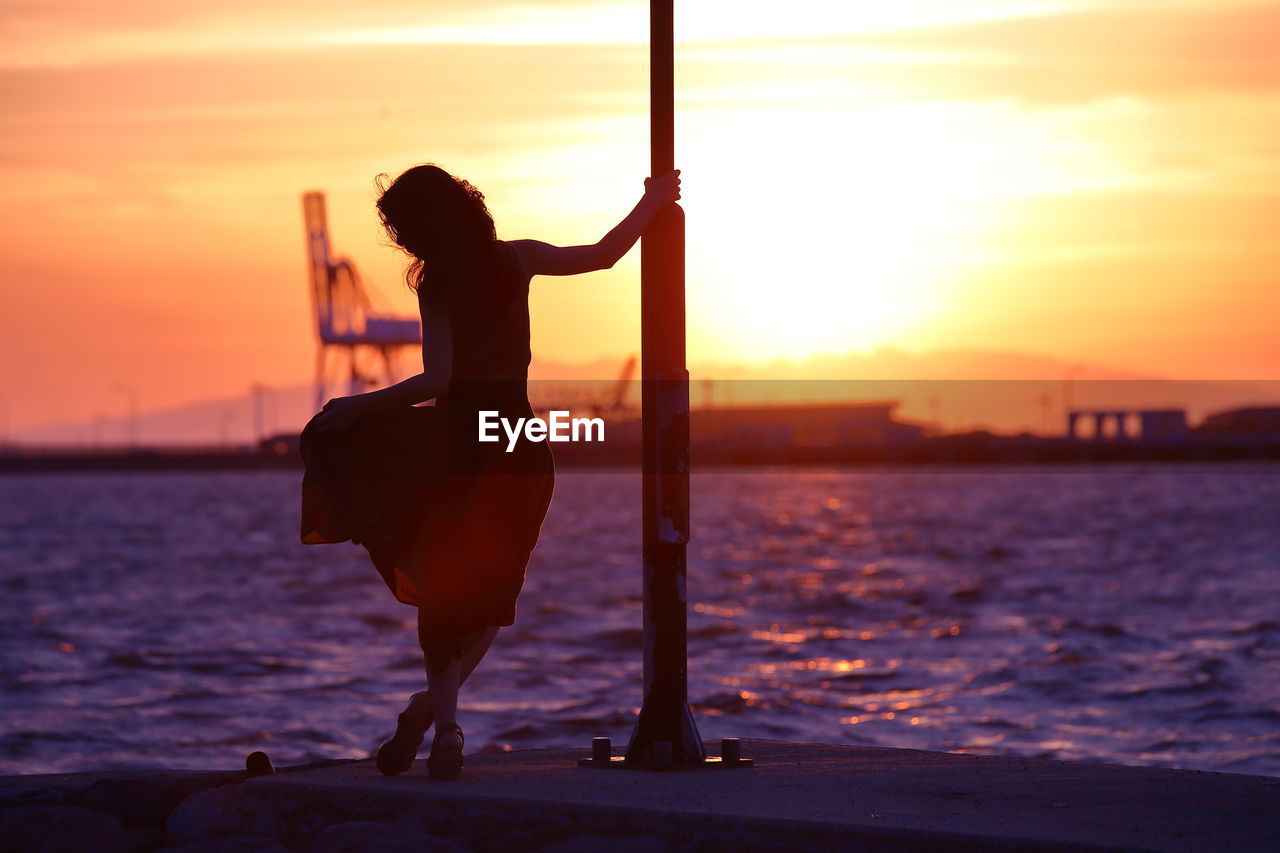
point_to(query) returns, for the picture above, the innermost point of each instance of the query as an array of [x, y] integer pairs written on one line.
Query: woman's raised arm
[[545, 259]]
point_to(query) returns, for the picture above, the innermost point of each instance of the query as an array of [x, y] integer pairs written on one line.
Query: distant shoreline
[[952, 450]]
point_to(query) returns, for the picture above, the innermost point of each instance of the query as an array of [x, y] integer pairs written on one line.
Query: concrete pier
[[797, 797]]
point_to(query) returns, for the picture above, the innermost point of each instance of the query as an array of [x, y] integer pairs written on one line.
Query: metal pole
[[132, 392], [257, 397], [665, 731]]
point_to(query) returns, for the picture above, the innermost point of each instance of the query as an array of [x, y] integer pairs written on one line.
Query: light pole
[[665, 735], [258, 393], [132, 391], [1068, 400], [665, 731]]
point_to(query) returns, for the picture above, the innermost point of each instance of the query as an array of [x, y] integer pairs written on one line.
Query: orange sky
[[1093, 181]]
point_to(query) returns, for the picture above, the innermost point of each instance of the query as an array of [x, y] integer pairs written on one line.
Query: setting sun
[[824, 230]]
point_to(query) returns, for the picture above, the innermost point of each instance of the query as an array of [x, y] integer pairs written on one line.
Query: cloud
[[1121, 49], [63, 34]]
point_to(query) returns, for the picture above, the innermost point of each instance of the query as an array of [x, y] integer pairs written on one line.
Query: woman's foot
[[397, 754], [445, 760]]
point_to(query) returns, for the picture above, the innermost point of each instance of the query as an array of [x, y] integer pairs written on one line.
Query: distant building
[[1163, 425], [1253, 421], [803, 425], [1153, 425]]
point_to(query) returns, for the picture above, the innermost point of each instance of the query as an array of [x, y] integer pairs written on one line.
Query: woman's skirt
[[449, 523]]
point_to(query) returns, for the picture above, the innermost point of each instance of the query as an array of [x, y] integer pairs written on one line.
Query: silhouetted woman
[[449, 522]]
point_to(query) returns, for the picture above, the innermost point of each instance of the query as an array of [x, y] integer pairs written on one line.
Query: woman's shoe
[[445, 760], [397, 754]]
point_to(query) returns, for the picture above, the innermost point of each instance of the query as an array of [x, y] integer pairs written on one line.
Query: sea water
[[1106, 613]]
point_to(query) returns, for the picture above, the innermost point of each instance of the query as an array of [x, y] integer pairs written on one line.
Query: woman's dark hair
[[442, 223]]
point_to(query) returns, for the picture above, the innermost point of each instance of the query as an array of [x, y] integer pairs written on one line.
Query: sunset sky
[[1089, 181]]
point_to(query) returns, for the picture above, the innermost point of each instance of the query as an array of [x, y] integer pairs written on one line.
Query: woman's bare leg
[[443, 687], [447, 683], [477, 651], [461, 667]]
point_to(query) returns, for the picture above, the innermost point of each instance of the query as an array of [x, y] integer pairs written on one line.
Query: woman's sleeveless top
[[489, 320], [490, 323]]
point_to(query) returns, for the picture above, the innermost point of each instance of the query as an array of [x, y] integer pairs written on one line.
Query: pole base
[[603, 759], [620, 761]]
